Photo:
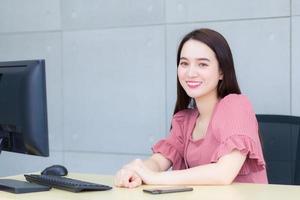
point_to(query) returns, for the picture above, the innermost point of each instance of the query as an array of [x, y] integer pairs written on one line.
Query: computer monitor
[[23, 107]]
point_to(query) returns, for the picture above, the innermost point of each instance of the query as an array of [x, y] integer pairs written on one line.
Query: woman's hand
[[127, 178], [134, 174], [148, 176]]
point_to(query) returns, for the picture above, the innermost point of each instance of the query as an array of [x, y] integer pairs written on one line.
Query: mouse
[[56, 170]]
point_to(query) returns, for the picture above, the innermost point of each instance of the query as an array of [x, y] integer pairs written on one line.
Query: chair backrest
[[280, 135]]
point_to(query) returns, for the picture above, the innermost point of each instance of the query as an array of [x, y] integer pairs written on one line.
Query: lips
[[193, 84]]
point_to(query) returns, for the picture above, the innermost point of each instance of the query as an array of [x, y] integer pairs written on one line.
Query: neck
[[205, 105]]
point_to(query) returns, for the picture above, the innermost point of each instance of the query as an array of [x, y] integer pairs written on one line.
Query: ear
[[221, 75]]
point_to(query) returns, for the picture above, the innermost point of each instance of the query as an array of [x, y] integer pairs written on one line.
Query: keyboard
[[64, 183]]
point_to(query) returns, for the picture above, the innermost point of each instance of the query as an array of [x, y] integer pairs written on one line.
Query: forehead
[[195, 49]]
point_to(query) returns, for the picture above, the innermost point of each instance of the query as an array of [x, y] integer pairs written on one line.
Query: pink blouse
[[233, 126]]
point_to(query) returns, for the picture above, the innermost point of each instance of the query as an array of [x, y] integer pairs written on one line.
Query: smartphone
[[163, 190]]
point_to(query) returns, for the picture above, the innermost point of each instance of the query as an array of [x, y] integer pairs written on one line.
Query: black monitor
[[23, 107]]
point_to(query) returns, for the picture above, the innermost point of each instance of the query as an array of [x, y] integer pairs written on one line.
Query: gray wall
[[111, 69]]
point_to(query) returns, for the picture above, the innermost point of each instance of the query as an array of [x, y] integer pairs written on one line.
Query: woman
[[214, 133]]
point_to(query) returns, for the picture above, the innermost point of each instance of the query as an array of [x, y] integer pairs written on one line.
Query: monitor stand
[[3, 138], [16, 186], [2, 135]]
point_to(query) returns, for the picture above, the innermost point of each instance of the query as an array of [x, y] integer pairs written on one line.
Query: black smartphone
[[163, 190]]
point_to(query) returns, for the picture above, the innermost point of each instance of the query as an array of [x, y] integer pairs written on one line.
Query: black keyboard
[[64, 183]]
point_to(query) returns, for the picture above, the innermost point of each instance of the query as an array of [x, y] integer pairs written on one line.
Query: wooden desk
[[231, 192]]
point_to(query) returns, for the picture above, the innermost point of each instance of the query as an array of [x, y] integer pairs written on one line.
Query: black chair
[[280, 137]]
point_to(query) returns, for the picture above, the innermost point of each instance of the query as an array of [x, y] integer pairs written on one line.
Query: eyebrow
[[199, 59]]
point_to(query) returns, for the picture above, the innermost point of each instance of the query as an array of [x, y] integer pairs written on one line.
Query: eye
[[183, 64], [202, 65]]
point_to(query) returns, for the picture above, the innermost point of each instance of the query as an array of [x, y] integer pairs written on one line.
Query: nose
[[192, 71]]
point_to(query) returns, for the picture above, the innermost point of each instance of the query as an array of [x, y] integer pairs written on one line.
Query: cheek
[[214, 77], [180, 73], [181, 76]]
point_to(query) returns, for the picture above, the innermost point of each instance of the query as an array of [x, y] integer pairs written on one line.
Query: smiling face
[[198, 70]]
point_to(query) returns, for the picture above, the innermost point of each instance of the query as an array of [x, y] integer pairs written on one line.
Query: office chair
[[280, 136]]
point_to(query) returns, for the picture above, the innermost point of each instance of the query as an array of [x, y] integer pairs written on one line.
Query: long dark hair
[[215, 41]]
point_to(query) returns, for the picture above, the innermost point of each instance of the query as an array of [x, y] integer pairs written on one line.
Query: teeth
[[194, 83]]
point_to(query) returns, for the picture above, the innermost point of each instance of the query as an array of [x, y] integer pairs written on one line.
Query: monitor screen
[[23, 107]]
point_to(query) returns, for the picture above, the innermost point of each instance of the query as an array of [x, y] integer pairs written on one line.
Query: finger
[[126, 176], [122, 178], [135, 182]]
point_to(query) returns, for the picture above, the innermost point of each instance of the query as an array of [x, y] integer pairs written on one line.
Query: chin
[[194, 95]]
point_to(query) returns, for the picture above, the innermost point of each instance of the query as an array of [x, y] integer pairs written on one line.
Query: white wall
[[111, 68]]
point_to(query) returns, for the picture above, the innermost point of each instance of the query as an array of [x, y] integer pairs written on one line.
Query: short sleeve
[[236, 129], [172, 147]]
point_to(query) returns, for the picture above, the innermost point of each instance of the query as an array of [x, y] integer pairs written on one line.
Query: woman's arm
[[157, 163], [127, 177], [221, 173]]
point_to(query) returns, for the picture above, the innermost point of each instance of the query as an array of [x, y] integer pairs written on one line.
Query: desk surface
[[230, 192]]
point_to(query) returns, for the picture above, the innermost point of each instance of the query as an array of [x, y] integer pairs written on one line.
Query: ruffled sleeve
[[237, 129], [172, 147]]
